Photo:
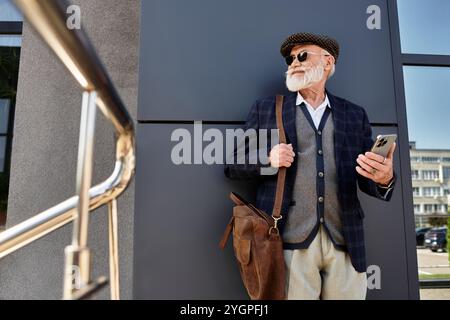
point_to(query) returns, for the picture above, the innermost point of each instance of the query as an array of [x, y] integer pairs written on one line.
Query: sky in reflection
[[424, 26], [427, 91]]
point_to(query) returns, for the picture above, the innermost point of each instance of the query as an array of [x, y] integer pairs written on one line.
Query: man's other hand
[[282, 155]]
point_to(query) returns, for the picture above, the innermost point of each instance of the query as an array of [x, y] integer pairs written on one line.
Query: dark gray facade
[[208, 61], [197, 60]]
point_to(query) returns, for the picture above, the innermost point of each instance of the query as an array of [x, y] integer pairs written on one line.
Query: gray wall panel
[[180, 215], [181, 212], [385, 236], [209, 60]]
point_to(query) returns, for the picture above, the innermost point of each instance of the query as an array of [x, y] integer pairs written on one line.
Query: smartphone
[[383, 143]]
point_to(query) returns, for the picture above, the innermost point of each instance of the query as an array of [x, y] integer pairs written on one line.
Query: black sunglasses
[[302, 56]]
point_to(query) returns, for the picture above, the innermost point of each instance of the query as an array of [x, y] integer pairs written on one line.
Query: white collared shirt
[[316, 114]]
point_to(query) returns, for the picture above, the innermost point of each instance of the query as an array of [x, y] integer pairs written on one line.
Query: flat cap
[[325, 42]]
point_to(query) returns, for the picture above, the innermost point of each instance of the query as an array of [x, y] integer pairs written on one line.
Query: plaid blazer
[[352, 136]]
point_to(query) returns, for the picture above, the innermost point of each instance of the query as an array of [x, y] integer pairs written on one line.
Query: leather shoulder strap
[[281, 171]]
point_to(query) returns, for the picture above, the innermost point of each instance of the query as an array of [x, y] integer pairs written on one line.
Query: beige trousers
[[322, 272]]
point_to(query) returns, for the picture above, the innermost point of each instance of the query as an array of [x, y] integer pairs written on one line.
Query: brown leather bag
[[257, 242]]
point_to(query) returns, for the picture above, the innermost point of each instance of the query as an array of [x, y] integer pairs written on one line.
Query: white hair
[[333, 67]]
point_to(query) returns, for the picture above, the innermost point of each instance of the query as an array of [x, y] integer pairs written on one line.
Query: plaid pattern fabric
[[325, 42], [352, 136]]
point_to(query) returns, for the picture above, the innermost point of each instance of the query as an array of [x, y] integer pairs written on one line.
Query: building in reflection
[[430, 173]]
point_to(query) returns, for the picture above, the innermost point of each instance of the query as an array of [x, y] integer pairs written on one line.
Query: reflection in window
[[4, 115], [430, 159], [428, 108], [430, 174], [8, 11], [428, 113], [446, 172], [434, 208], [2, 153], [424, 26], [9, 40], [9, 69], [431, 191]]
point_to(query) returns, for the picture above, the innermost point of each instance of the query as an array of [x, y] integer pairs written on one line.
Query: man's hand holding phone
[[376, 167]]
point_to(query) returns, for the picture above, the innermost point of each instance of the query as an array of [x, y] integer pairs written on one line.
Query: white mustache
[[298, 69]]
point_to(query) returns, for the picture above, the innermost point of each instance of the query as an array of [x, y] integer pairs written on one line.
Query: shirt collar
[[324, 104]]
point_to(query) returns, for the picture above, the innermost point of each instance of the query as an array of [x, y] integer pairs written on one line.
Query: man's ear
[[330, 62]]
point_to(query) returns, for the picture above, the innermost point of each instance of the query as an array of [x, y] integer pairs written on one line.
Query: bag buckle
[[275, 226]]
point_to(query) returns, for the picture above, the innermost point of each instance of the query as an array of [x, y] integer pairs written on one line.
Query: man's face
[[301, 75]]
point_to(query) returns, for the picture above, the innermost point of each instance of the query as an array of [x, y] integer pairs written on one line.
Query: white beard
[[298, 82]]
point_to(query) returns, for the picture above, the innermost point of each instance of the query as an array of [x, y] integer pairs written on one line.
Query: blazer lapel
[[338, 110]]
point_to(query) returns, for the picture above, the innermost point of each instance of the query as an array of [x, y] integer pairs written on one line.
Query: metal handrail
[[76, 52]]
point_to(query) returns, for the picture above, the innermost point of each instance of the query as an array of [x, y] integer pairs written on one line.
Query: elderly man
[[327, 155]]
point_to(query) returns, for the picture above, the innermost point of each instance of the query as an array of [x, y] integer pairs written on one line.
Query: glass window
[[430, 174], [432, 208], [4, 115], [427, 106], [430, 159], [9, 40], [2, 153], [8, 12], [428, 114], [446, 172], [416, 191], [9, 69], [437, 191], [417, 208], [431, 191], [424, 26]]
